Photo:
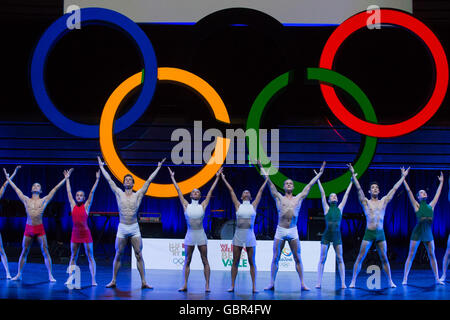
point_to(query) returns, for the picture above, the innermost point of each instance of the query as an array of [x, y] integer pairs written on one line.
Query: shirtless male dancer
[[128, 203], [34, 208], [374, 210], [288, 208], [2, 250]]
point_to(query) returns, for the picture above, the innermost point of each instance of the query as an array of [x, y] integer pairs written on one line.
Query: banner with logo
[[169, 254]]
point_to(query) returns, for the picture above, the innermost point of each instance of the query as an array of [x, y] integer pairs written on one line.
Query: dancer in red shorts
[[80, 231], [34, 208]]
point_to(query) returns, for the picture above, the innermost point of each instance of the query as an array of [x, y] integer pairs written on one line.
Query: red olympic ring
[[407, 21]]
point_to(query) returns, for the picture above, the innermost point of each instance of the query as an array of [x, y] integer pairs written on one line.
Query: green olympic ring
[[324, 75]]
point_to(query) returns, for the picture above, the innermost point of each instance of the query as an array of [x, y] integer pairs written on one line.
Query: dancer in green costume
[[422, 231], [332, 233]]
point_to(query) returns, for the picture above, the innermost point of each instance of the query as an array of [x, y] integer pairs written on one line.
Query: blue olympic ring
[[55, 32]]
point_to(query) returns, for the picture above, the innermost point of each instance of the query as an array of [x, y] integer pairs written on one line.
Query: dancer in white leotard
[[195, 235], [244, 235]]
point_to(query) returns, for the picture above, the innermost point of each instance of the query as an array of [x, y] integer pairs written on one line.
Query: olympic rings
[[265, 96], [431, 41], [179, 261], [54, 33], [179, 76]]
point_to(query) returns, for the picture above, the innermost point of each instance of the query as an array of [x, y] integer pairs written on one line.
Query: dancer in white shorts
[[288, 207], [244, 235], [194, 213]]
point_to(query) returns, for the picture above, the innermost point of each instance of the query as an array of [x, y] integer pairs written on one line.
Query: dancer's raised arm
[[88, 203], [302, 195], [273, 189], [69, 191], [260, 192], [208, 196], [2, 189], [115, 189], [345, 197], [323, 196], [183, 201], [52, 192], [387, 198], [413, 200], [362, 198], [232, 194], [144, 188], [438, 191]]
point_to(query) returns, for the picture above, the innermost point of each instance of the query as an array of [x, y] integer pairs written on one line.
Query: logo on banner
[[178, 252], [227, 256], [286, 257]]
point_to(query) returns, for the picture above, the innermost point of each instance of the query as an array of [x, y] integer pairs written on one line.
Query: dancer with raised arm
[[374, 210], [244, 235], [2, 250], [288, 207], [447, 252], [80, 230], [34, 228], [332, 233], [128, 203], [422, 231], [194, 213]]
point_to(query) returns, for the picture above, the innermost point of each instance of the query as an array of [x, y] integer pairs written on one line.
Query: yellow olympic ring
[[175, 75]]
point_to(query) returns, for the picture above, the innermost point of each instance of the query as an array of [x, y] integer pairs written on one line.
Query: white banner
[[285, 11], [168, 254]]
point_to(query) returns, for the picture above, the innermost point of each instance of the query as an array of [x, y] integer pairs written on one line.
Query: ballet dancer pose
[[244, 235], [447, 252], [2, 250], [288, 207], [194, 213], [34, 208], [80, 231], [374, 209], [128, 203], [422, 231], [332, 233]]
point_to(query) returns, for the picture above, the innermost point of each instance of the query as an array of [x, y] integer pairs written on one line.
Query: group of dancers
[[288, 207]]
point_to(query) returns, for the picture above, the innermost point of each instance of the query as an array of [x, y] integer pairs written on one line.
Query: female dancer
[[447, 252], [2, 250], [244, 235], [80, 232], [194, 213], [422, 231], [332, 233]]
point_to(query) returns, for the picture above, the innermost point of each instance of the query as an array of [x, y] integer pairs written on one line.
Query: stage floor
[[35, 285]]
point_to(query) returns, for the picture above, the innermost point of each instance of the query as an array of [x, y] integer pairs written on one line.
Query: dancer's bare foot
[[405, 282], [112, 284], [231, 289], [183, 289], [442, 279], [271, 287], [343, 286], [254, 290], [93, 283], [392, 285], [438, 281], [51, 279], [145, 285], [305, 288], [318, 286], [207, 289], [8, 276], [352, 284], [18, 277]]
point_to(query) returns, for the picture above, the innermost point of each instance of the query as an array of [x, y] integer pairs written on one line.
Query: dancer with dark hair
[[80, 231], [34, 228], [422, 231], [128, 203], [2, 250], [288, 207], [332, 233], [194, 213], [374, 210], [244, 235]]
